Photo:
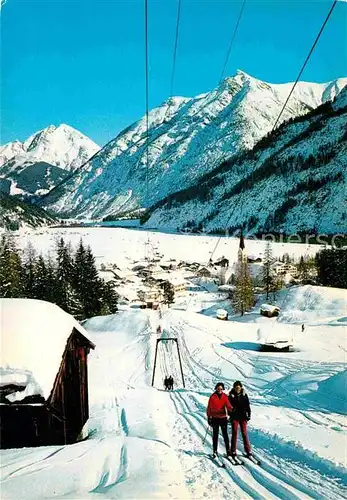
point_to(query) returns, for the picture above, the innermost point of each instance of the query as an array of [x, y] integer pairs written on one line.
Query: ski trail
[[281, 478], [242, 478]]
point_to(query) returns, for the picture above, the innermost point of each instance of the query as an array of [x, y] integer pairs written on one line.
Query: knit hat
[[220, 384]]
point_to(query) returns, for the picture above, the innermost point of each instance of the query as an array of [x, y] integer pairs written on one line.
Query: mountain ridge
[[188, 137]]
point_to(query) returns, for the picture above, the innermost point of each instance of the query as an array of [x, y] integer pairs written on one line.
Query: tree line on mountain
[[331, 266], [275, 164], [292, 164], [68, 278], [14, 210]]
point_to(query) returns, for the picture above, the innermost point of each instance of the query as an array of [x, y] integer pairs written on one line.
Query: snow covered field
[[122, 245], [146, 443]]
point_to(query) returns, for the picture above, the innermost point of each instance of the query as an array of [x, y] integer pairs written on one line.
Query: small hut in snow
[[277, 338], [222, 314], [269, 310], [43, 374]]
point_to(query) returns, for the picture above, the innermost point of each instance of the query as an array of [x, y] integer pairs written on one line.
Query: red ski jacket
[[218, 406]]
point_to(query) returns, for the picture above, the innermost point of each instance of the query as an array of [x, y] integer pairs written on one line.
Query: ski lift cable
[[225, 61], [147, 98], [286, 102], [232, 41], [174, 60], [306, 61], [175, 48], [147, 119], [220, 80], [175, 55]]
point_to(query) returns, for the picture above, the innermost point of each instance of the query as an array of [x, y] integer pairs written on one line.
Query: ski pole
[[203, 441]]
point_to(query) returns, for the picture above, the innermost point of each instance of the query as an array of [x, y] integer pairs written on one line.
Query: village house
[[44, 379], [281, 268], [204, 272], [150, 295], [178, 284]]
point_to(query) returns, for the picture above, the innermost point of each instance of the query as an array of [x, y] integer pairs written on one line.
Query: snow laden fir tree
[[243, 297], [70, 280]]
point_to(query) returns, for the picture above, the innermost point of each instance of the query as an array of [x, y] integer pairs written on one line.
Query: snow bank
[[313, 305], [334, 389]]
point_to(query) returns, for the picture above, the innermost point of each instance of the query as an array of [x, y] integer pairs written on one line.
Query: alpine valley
[[212, 162]]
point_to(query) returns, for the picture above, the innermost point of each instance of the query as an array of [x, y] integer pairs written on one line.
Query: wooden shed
[[43, 375], [269, 310]]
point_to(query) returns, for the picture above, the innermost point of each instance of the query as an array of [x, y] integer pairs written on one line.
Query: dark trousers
[[223, 424], [235, 427]]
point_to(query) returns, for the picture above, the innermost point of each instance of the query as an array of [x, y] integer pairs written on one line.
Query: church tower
[[242, 256]]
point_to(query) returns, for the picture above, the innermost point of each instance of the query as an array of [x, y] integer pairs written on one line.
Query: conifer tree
[[277, 284], [10, 268], [29, 278], [303, 270], [332, 267], [109, 304], [267, 274], [94, 287], [168, 292], [63, 275], [40, 289], [87, 282], [52, 289], [243, 296]]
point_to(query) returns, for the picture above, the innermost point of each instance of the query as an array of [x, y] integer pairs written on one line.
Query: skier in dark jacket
[[217, 416], [240, 415]]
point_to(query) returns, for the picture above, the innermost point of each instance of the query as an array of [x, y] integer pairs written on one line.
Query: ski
[[234, 460], [253, 459], [217, 461]]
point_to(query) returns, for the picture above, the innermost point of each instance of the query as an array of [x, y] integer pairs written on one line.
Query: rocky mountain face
[[15, 213], [188, 139], [292, 181]]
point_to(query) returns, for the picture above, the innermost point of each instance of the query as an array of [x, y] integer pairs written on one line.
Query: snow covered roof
[[269, 307], [33, 338]]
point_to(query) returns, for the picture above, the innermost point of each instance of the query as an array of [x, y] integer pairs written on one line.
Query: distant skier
[[240, 415], [171, 382], [302, 328], [166, 383], [217, 416]]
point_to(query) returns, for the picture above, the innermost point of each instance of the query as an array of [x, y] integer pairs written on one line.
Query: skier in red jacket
[[217, 415]]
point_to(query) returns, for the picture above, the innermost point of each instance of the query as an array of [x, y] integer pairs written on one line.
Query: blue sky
[[81, 62]]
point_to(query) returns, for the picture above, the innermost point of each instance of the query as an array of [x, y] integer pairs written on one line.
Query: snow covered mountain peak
[[43, 160], [187, 139], [61, 146]]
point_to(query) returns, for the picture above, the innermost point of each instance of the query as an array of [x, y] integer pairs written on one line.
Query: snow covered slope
[[188, 137], [292, 181], [146, 443]]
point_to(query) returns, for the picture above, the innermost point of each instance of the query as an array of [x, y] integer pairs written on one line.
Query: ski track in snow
[[104, 464]]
